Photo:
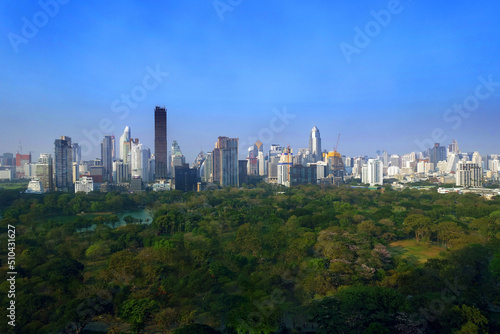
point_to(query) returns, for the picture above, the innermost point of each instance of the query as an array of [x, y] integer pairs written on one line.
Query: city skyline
[[243, 155], [232, 76]]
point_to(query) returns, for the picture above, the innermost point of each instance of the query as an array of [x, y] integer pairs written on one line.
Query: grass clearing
[[410, 249]]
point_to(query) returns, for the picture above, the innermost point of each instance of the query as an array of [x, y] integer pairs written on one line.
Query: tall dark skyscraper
[[161, 157], [107, 158], [63, 164]]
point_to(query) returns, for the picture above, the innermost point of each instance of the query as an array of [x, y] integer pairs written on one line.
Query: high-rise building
[[253, 158], [315, 144], [120, 172], [336, 168], [21, 161], [8, 160], [303, 175], [451, 165], [208, 168], [284, 165], [107, 158], [228, 152], [63, 164], [437, 153], [185, 178], [453, 148], [395, 160], [125, 145], [469, 174], [385, 158], [225, 162], [77, 153], [177, 158], [140, 156], [477, 159], [373, 172], [161, 158], [242, 170], [45, 171]]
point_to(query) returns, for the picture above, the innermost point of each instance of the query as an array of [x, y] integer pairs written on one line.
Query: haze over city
[[232, 67]]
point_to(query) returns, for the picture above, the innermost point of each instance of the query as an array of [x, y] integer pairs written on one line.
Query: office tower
[[262, 163], [151, 167], [385, 158], [395, 160], [315, 144], [45, 172], [453, 148], [253, 158], [198, 161], [393, 170], [125, 145], [177, 158], [275, 150], [225, 159], [469, 174], [63, 164], [8, 160], [321, 170], [437, 153], [107, 158], [139, 156], [208, 168], [451, 165], [21, 161], [77, 153], [477, 159], [494, 165], [161, 159], [272, 169], [136, 184], [304, 157], [185, 178], [242, 170], [286, 161], [373, 172], [303, 175], [274, 156], [120, 172], [336, 169], [229, 175]]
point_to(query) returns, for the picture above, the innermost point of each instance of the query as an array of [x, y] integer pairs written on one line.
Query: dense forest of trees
[[253, 261]]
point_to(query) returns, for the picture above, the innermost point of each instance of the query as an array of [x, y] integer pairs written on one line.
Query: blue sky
[[230, 76]]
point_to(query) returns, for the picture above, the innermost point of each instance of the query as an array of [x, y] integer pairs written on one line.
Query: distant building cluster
[[136, 168]]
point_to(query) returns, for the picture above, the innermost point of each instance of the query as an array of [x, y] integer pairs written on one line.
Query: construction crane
[[336, 146]]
